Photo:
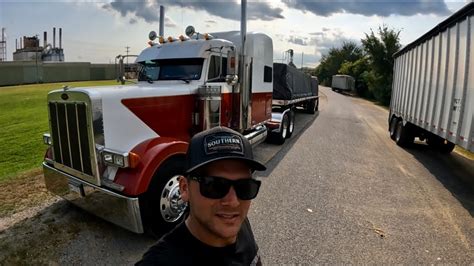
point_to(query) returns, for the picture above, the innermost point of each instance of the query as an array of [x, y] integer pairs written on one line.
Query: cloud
[[327, 39], [132, 21], [370, 7], [298, 40], [148, 9]]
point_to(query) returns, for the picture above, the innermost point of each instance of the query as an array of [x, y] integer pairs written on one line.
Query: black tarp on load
[[289, 83]]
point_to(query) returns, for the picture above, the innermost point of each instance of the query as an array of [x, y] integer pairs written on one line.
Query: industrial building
[[30, 49]]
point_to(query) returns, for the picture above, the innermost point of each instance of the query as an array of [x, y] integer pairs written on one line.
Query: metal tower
[[3, 46]]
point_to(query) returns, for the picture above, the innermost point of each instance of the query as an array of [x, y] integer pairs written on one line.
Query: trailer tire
[[311, 106], [161, 206], [393, 127], [280, 137], [291, 124], [403, 136]]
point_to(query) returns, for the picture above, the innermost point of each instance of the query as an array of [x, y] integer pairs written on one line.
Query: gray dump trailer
[[342, 83], [433, 86]]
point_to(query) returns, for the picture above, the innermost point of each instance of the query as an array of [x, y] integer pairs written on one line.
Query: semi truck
[[119, 151], [342, 83], [433, 86]]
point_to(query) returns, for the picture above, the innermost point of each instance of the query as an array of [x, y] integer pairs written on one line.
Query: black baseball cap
[[220, 143]]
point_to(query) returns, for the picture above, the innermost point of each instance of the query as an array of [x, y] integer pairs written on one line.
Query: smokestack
[[162, 20], [21, 42], [45, 39], [60, 37], [244, 76], [16, 44], [54, 37]]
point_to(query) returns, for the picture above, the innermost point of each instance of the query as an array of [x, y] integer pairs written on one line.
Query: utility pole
[[302, 55], [128, 49]]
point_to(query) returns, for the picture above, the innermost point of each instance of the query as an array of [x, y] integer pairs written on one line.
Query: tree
[[379, 52], [333, 60]]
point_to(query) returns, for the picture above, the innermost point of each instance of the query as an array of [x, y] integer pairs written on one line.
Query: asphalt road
[[339, 191], [343, 192]]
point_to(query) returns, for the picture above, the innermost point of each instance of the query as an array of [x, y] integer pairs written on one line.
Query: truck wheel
[[311, 107], [403, 137], [279, 137], [393, 127], [291, 124], [161, 205]]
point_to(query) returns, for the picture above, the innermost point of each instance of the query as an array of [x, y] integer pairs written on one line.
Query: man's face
[[216, 221]]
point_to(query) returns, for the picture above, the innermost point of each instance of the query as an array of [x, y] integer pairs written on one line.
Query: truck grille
[[70, 135]]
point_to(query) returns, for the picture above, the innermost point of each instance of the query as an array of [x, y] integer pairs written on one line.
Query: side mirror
[[231, 79]]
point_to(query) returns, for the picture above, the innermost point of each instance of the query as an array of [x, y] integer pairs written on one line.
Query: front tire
[[161, 205]]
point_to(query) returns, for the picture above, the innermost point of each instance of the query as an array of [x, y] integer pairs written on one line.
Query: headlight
[[115, 158], [47, 139]]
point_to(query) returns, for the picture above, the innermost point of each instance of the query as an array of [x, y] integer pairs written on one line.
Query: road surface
[[339, 191], [344, 192]]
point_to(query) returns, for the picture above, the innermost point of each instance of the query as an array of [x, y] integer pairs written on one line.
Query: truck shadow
[[453, 171], [275, 160]]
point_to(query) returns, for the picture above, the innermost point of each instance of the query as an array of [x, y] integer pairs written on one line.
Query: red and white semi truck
[[118, 151]]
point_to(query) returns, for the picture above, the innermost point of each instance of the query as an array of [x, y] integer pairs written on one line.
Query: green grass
[[23, 120]]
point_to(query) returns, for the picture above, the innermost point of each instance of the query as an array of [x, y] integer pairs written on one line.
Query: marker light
[[208, 36], [170, 39], [183, 38], [47, 139], [161, 40]]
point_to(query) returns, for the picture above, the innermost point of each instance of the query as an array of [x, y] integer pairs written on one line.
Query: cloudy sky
[[97, 31]]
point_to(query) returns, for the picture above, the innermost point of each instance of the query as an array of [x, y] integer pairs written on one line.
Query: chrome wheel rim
[[172, 207]]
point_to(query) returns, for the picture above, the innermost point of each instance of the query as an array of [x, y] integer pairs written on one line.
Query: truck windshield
[[171, 69]]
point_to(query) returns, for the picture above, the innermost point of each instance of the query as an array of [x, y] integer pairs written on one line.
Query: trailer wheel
[[393, 127], [161, 205], [403, 136], [291, 124], [279, 137], [311, 107]]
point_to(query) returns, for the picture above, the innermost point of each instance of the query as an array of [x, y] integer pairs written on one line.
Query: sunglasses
[[215, 187]]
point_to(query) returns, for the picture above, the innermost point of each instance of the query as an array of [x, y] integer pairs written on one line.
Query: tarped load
[[289, 83]]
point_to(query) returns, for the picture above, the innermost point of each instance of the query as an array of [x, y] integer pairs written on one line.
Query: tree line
[[370, 64]]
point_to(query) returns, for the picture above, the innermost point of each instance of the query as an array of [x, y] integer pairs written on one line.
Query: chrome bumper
[[118, 209]]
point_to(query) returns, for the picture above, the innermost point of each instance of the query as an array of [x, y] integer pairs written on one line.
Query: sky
[[97, 31]]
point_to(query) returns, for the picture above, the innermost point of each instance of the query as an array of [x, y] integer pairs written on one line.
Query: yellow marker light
[[161, 39], [133, 159], [170, 39]]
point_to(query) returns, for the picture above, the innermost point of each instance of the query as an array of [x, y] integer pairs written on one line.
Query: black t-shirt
[[180, 247]]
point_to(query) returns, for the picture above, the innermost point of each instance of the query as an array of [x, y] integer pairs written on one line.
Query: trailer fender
[[152, 153]]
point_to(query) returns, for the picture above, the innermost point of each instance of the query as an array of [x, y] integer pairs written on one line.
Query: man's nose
[[230, 199]]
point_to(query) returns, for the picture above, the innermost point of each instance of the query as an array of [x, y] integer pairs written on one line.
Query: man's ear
[[184, 188]]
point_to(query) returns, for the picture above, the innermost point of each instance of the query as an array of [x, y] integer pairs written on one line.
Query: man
[[218, 187]]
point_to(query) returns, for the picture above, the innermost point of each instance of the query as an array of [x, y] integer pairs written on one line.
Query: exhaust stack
[[54, 37], [162, 21], [60, 37], [45, 40]]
